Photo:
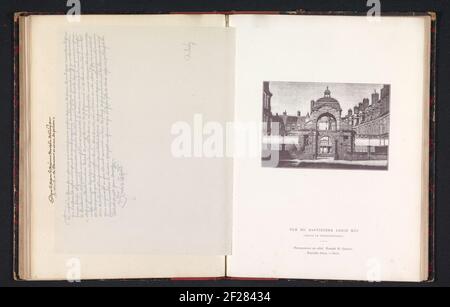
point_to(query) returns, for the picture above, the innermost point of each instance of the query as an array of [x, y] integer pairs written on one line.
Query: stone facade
[[371, 119]]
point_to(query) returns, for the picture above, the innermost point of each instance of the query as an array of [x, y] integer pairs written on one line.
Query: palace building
[[362, 134]]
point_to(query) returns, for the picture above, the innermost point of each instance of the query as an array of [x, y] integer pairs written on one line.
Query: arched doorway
[[326, 126], [326, 122]]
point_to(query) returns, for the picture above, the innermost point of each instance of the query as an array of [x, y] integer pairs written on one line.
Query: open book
[[213, 145]]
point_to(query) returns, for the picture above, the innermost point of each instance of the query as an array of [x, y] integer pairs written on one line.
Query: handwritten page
[[95, 182], [122, 246], [121, 188]]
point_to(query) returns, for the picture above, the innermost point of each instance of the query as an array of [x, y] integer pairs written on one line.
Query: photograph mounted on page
[[325, 125]]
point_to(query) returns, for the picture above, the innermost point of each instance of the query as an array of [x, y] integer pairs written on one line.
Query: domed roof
[[327, 100]]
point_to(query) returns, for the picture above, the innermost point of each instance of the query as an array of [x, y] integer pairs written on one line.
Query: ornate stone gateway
[[326, 126], [324, 134]]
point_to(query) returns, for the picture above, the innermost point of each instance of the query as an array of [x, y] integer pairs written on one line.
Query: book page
[[110, 95], [335, 191]]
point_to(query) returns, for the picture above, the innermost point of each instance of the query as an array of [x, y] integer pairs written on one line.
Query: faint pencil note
[[187, 48]]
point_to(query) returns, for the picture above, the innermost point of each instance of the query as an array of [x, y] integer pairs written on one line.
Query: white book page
[[105, 93], [324, 223]]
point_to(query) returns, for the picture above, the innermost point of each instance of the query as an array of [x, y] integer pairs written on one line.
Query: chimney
[[312, 105], [366, 102], [285, 117], [266, 88], [299, 113]]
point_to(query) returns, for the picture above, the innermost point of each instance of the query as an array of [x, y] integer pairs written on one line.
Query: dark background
[[442, 212]]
